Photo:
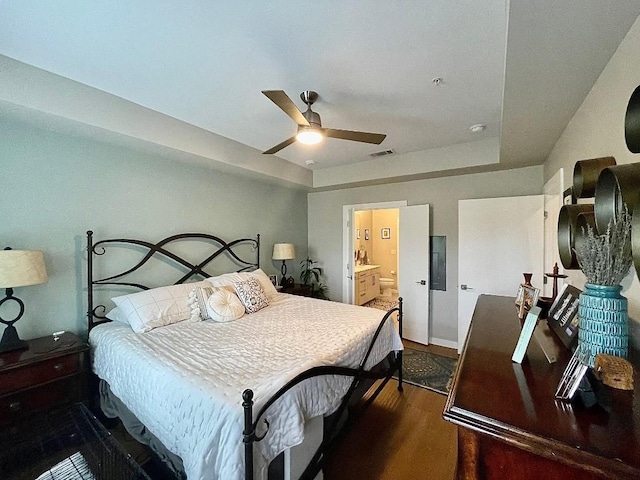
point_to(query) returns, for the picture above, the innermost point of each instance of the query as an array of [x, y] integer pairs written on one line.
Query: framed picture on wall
[[366, 234], [385, 233], [357, 234]]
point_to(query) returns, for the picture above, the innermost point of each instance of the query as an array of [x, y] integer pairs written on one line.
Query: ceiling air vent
[[382, 153]]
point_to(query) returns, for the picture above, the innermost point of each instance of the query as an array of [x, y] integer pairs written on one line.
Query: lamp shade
[[284, 251], [19, 268]]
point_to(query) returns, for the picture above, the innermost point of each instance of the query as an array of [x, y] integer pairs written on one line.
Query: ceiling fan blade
[[280, 146], [365, 137], [283, 101]]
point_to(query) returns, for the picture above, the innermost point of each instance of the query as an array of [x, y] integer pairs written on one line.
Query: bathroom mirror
[[438, 278]]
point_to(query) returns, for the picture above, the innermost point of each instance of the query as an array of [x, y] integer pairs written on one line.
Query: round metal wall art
[[585, 175], [569, 231], [632, 122], [617, 186]]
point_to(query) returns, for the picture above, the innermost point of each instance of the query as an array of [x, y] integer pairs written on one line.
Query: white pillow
[[268, 287], [251, 295], [117, 315], [224, 306], [157, 307], [228, 279]]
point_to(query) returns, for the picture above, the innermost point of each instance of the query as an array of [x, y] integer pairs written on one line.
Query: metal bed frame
[[360, 376]]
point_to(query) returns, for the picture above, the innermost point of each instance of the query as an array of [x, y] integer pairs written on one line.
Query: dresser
[[50, 373], [511, 427], [367, 283]]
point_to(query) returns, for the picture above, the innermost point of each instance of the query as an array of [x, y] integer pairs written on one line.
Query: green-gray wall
[[325, 226], [54, 187]]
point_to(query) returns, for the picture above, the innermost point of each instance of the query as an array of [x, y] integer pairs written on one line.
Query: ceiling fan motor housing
[[313, 118]]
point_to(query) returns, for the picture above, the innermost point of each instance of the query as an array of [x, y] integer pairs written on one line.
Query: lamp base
[[10, 340]]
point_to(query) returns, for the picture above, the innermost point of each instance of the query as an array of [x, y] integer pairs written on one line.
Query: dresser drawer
[[39, 399], [37, 373]]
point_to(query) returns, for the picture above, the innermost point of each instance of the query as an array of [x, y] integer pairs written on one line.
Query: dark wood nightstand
[[298, 289], [48, 374]]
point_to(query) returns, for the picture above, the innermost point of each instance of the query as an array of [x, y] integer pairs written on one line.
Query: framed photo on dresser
[[526, 298], [563, 315]]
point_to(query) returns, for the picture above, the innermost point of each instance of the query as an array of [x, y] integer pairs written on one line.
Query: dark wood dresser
[[298, 289], [511, 427], [48, 374]]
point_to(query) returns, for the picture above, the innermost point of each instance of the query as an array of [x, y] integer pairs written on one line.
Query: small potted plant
[[311, 275], [605, 260]]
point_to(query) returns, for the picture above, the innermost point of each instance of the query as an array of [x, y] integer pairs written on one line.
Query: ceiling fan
[[310, 129]]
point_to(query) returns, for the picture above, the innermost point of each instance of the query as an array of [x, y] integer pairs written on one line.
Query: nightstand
[[298, 289], [48, 374]]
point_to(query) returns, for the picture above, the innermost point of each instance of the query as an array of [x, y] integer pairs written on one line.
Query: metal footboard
[[249, 435]]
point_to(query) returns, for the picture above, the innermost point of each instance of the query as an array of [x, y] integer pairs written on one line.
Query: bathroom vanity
[[367, 283]]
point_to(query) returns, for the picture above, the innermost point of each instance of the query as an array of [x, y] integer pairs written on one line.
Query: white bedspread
[[185, 381]]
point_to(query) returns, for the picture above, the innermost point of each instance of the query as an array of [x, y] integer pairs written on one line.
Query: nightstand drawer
[[37, 373], [12, 407]]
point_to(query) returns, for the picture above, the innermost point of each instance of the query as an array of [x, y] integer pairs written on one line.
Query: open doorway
[[376, 269], [351, 244]]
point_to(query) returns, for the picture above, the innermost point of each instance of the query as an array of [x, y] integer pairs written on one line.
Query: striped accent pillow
[[198, 302]]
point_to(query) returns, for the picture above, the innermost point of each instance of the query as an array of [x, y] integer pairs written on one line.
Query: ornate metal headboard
[[160, 250]]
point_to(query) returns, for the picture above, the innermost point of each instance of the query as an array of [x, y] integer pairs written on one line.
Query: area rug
[[428, 370], [382, 303]]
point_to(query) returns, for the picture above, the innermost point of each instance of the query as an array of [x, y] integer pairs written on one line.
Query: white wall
[[325, 225], [54, 187], [597, 130]]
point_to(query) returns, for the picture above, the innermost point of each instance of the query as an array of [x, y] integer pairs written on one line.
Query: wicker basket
[[614, 372]]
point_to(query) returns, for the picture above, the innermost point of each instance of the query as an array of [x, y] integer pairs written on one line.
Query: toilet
[[386, 284]]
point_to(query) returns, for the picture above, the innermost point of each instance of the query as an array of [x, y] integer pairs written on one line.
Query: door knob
[[422, 282]]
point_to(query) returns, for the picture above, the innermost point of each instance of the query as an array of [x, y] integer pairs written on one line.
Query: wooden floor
[[401, 436]]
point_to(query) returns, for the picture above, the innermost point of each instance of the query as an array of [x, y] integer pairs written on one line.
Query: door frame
[[347, 234]]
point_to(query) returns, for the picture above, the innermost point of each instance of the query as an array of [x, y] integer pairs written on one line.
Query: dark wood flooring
[[401, 436]]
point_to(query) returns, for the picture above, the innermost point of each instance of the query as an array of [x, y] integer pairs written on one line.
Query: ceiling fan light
[[309, 136]]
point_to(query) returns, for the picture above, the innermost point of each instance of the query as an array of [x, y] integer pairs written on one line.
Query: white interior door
[[347, 254], [413, 272], [499, 239]]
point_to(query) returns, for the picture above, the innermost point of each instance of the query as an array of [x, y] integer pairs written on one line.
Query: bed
[[223, 399]]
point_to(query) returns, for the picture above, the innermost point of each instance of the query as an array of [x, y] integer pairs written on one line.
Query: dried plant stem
[[606, 259]]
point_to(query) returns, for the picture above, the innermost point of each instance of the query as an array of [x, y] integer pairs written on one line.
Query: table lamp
[[18, 268], [284, 251]]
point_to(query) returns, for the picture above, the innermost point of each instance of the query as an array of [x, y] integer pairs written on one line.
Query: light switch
[[393, 252]]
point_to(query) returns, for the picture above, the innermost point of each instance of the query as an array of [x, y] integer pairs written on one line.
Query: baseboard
[[443, 343]]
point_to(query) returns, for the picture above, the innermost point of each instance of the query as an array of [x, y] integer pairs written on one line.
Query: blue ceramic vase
[[604, 322]]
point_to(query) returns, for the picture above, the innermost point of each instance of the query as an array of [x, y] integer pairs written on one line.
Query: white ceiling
[[205, 62]]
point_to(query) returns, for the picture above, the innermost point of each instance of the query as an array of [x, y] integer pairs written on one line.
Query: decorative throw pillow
[[224, 306], [251, 294], [198, 302]]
